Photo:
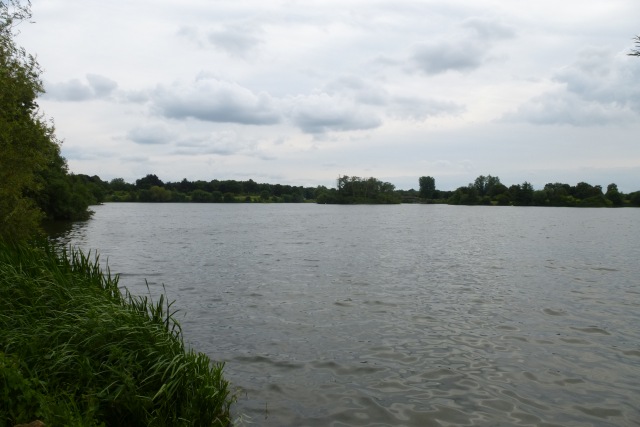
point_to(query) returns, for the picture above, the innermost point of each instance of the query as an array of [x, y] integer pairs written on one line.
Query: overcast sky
[[300, 92]]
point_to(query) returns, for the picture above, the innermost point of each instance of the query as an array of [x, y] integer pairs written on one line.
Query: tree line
[[151, 189], [488, 190]]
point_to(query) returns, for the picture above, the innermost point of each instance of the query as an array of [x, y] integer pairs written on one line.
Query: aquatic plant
[[75, 349]]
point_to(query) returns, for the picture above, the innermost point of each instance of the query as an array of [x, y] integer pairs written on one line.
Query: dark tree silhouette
[[636, 51]]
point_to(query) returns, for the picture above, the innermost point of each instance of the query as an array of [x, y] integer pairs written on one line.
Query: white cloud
[[95, 87], [321, 112], [224, 143], [236, 41], [151, 135], [598, 88], [562, 108], [465, 49], [214, 100]]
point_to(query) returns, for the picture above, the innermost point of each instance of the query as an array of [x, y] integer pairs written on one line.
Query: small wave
[[592, 330]]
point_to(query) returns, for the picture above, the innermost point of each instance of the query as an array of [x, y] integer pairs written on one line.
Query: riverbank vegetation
[[35, 181], [76, 350], [485, 190], [488, 190]]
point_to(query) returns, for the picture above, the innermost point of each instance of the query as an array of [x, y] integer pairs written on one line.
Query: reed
[[75, 349]]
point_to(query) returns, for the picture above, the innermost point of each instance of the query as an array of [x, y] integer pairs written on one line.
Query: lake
[[401, 315]]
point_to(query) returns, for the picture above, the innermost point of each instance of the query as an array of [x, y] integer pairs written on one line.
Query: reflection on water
[[411, 315]]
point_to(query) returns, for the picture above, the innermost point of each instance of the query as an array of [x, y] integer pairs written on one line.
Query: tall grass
[[76, 350]]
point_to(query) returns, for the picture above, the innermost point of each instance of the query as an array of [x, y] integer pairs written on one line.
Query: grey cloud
[[489, 29], [597, 89], [465, 51], [320, 113], [420, 109], [561, 108], [436, 58], [597, 75], [236, 41], [360, 90], [223, 143], [215, 101], [101, 86], [365, 92], [96, 87], [150, 135], [136, 96]]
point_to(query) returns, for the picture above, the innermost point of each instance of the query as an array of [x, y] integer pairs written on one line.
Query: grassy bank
[[75, 350]]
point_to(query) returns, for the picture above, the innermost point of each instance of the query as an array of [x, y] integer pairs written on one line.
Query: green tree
[[522, 195], [201, 196], [29, 150], [159, 194], [149, 181], [465, 196], [558, 194], [583, 190], [427, 187], [613, 195], [119, 184]]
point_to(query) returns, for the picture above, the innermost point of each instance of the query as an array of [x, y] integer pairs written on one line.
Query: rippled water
[[409, 315]]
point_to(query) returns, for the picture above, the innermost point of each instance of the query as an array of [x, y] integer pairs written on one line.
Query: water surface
[[409, 315]]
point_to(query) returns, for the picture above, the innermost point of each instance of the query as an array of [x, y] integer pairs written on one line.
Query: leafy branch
[[636, 51]]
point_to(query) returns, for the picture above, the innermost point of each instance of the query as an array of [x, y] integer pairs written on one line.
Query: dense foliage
[[34, 181], [150, 188], [485, 190], [76, 351], [356, 190], [488, 190]]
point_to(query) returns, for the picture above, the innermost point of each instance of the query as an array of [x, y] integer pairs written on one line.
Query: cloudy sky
[[300, 92]]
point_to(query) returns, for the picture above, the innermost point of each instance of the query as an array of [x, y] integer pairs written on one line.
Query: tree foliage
[[427, 187], [34, 181], [553, 194], [26, 145], [636, 50], [356, 190]]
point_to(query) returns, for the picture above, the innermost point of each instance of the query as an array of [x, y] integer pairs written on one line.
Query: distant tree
[[356, 190], [118, 184], [149, 181], [201, 196], [480, 184], [159, 194], [427, 187], [583, 190], [613, 195], [465, 196], [636, 50], [558, 194], [217, 197], [251, 187], [186, 186], [230, 186], [522, 195]]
